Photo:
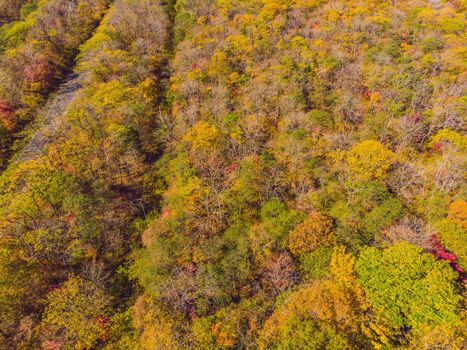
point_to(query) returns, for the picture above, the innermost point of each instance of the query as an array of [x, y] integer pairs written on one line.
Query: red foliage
[[165, 213], [442, 253], [51, 345], [439, 251], [191, 268], [194, 66], [69, 218], [104, 323], [40, 71], [52, 287], [7, 115], [459, 270], [445, 255], [234, 92], [417, 117], [232, 167], [365, 91], [191, 311], [437, 146], [5, 107], [316, 25]]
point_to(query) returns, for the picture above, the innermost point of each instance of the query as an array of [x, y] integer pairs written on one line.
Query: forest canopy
[[233, 174]]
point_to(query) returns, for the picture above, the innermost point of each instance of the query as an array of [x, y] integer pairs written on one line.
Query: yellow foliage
[[324, 300], [451, 136], [238, 44], [73, 313], [218, 67], [367, 160], [158, 327], [202, 136], [342, 265], [445, 336], [271, 9], [307, 3]]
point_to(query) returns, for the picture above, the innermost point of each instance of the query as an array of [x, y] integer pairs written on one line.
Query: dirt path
[[51, 117]]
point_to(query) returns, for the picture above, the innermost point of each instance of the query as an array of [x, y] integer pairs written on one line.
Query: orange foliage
[[315, 231], [458, 212]]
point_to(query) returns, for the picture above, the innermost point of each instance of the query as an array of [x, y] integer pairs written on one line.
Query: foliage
[[454, 237], [367, 160], [232, 174], [323, 314], [315, 264], [408, 289], [314, 231], [75, 314]]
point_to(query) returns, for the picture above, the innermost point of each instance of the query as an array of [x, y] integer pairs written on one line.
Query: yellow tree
[[365, 161], [76, 314], [326, 314]]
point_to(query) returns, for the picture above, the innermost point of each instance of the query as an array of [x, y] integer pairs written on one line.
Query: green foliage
[[184, 21], [27, 8], [271, 233], [408, 289], [201, 180], [310, 334], [231, 327], [315, 264], [321, 118], [454, 238], [245, 191], [431, 44], [382, 215]]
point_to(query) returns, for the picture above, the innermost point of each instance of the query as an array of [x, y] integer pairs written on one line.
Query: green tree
[[408, 289], [454, 238]]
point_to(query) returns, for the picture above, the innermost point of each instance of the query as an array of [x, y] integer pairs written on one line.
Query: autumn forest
[[233, 174]]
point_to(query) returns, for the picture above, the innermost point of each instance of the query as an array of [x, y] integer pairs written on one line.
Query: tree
[[307, 334], [279, 273], [203, 136], [408, 290], [365, 161], [315, 231], [158, 328], [76, 314], [453, 237], [9, 10], [233, 327], [315, 264], [324, 314], [382, 215], [270, 235], [458, 212]]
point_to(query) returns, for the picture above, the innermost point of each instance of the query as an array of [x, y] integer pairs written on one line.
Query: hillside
[[233, 174]]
